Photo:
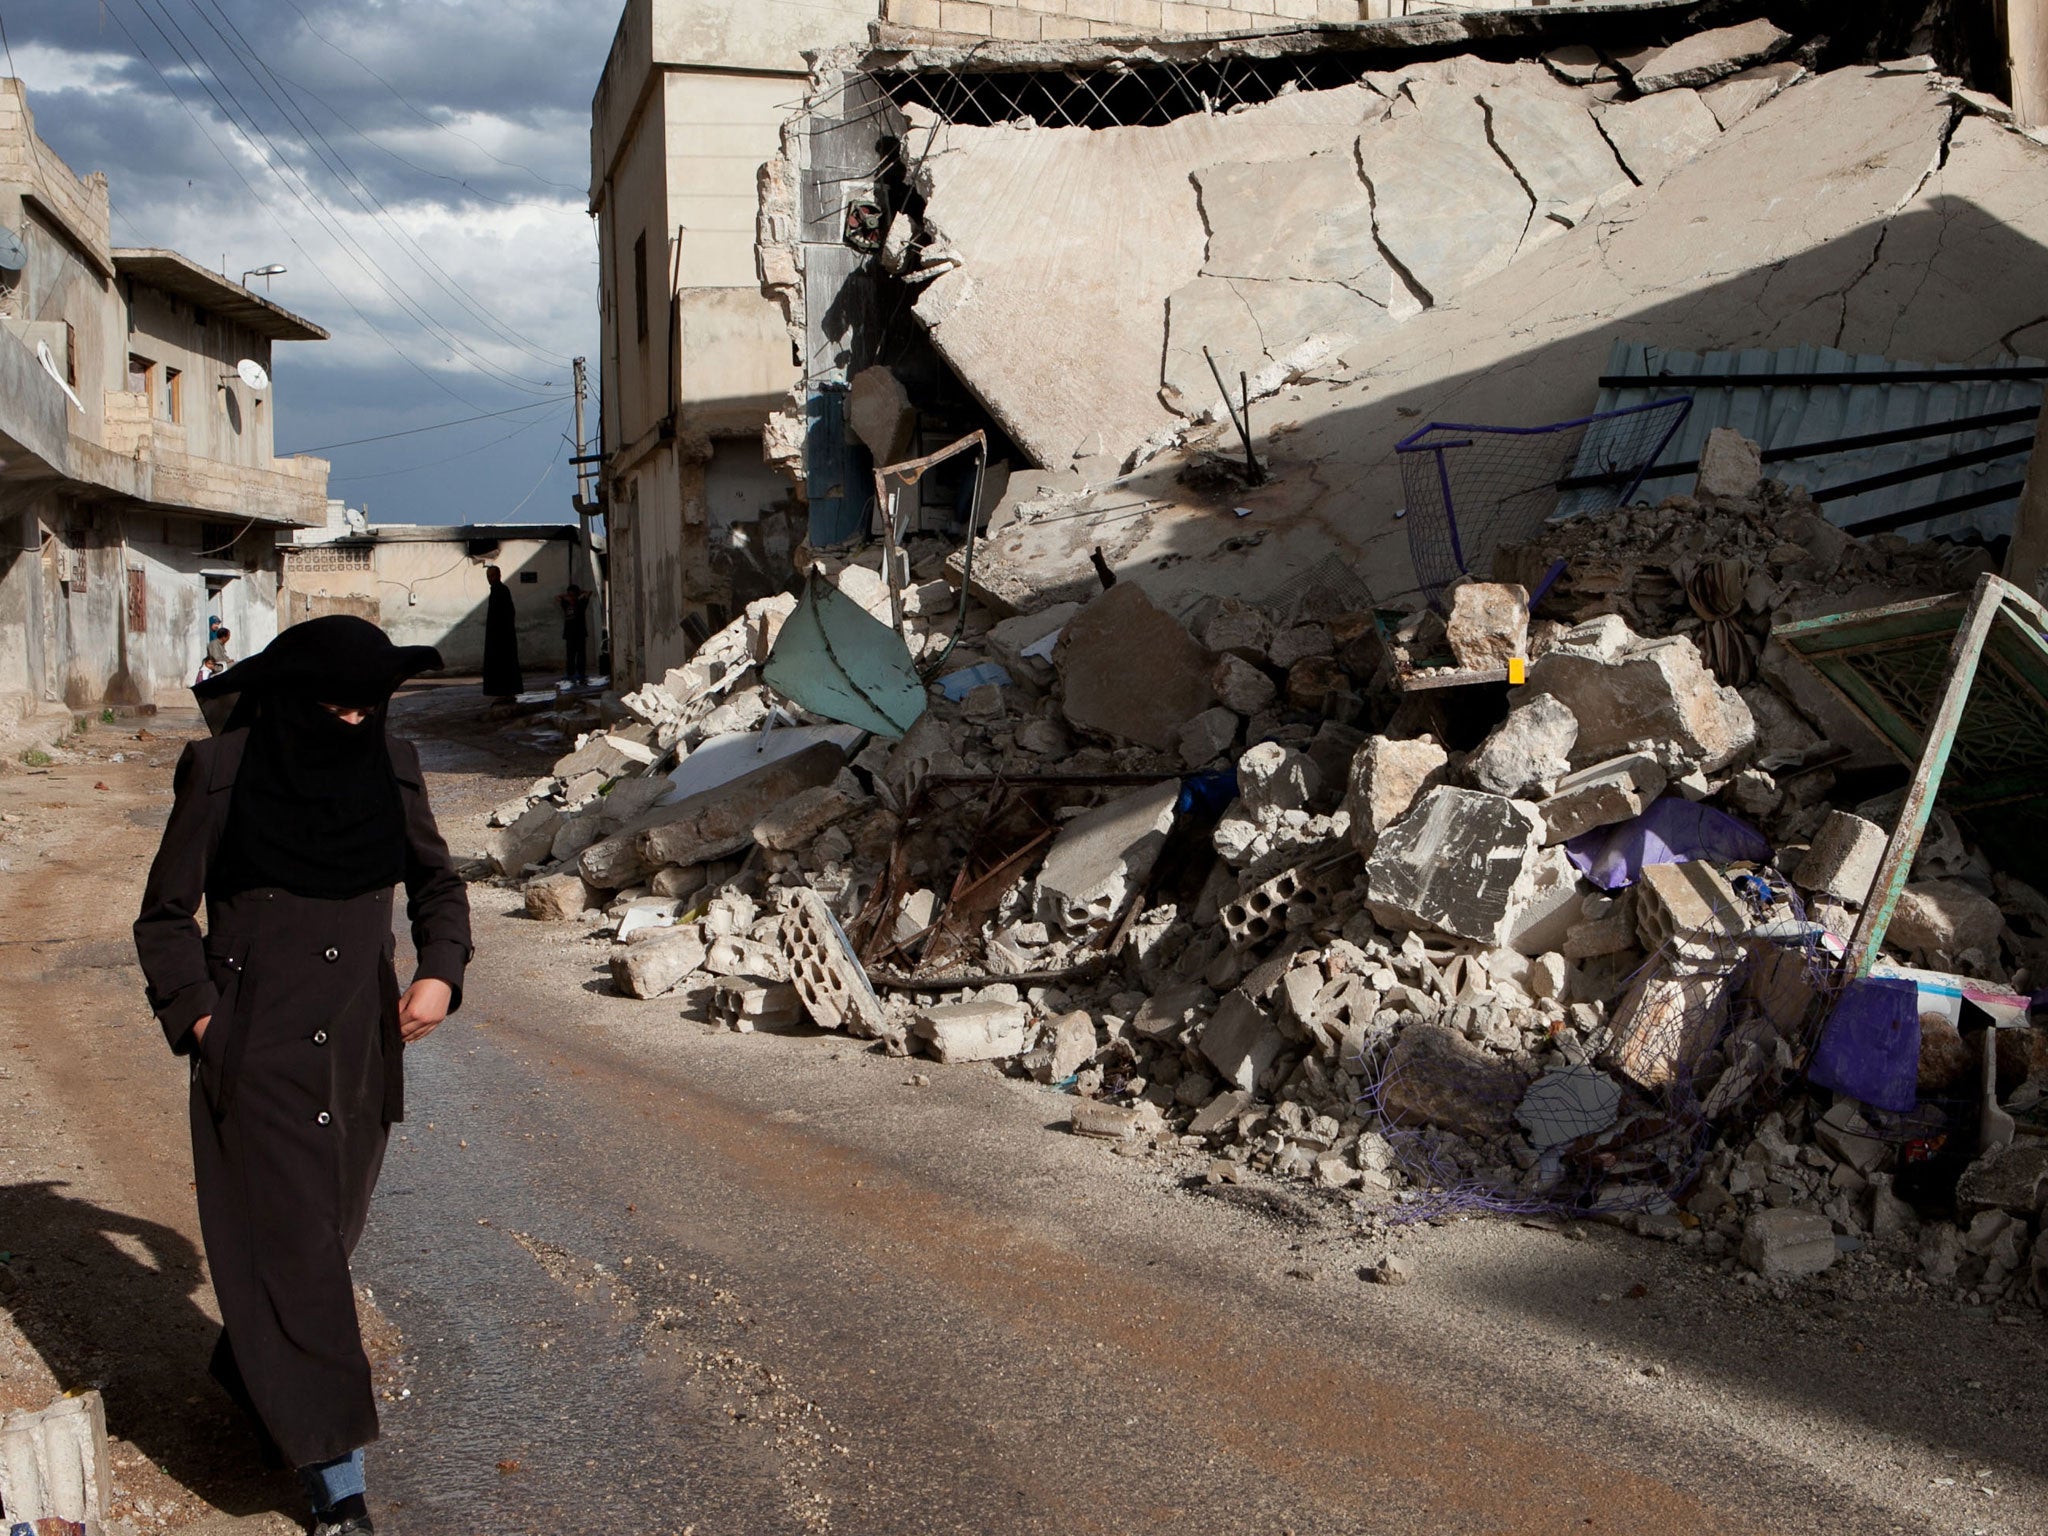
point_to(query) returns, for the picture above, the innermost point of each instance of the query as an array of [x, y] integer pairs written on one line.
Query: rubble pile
[[1250, 897]]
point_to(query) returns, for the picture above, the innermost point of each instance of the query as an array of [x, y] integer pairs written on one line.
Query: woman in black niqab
[[292, 827]]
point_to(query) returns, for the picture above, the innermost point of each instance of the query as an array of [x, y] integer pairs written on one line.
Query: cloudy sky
[[418, 165]]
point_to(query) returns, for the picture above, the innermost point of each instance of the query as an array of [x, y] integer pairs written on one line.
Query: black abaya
[[502, 677]]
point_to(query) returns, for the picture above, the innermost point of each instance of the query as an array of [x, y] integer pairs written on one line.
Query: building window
[[172, 405], [138, 602], [70, 354], [141, 375], [327, 557], [640, 285]]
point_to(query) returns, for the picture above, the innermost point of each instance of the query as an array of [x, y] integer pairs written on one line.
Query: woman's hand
[[424, 1005], [199, 1028]]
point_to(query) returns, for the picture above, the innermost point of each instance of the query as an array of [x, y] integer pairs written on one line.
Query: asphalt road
[[627, 1274]]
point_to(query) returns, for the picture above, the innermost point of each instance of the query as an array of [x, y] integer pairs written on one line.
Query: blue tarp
[[1870, 1048], [1675, 830]]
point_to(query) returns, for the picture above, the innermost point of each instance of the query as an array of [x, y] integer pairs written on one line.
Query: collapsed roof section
[[1105, 243]]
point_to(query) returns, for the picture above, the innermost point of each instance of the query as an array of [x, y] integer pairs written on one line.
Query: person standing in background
[[575, 633], [502, 679]]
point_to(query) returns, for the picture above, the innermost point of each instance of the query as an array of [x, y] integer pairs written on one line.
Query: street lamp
[[266, 273]]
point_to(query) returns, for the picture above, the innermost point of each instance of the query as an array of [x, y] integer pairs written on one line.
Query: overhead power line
[[460, 421], [346, 174]]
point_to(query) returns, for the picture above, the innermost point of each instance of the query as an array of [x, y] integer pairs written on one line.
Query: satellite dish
[[13, 257], [253, 374]]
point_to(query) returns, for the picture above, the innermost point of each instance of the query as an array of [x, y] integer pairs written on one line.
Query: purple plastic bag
[[1870, 1049], [1674, 830]]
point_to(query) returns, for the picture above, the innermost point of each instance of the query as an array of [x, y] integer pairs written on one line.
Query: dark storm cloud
[[418, 165]]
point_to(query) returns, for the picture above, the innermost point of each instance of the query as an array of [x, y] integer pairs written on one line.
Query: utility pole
[[582, 469], [2026, 52]]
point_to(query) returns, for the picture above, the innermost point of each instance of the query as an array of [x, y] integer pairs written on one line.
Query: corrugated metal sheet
[[1784, 415]]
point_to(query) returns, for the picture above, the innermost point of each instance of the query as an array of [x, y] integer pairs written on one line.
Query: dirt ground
[[828, 1296]]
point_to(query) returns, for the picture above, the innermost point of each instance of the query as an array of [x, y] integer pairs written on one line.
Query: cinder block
[[1295, 10], [915, 13], [1140, 15], [1175, 17], [1055, 28]]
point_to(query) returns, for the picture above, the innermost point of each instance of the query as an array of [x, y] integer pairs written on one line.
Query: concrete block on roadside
[[1842, 861], [559, 898], [658, 960], [54, 1464], [1789, 1244], [954, 1032], [1115, 1122]]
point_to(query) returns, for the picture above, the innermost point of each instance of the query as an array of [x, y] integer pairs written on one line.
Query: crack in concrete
[[1614, 149], [1422, 296], [1847, 292], [1493, 142]]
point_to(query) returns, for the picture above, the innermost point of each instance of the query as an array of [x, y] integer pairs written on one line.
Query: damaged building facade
[[139, 491], [1555, 726], [697, 360]]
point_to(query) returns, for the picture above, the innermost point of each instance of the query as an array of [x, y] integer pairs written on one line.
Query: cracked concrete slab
[[1448, 210], [1655, 135], [1861, 242], [1734, 98], [1265, 328], [1704, 57], [1562, 158], [1070, 241]]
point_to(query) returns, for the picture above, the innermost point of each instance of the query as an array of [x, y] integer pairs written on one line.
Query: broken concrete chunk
[[1488, 623], [1942, 918], [55, 1470], [1599, 796], [1297, 643], [602, 755], [1220, 1113], [1730, 467], [529, 840], [1788, 1243], [1071, 1038], [1532, 746], [1100, 858], [1386, 777], [1445, 205], [1241, 686], [1166, 1013], [658, 962], [1273, 777], [1458, 862], [1843, 860], [1238, 629], [730, 955], [973, 1031], [721, 821], [1010, 639], [1436, 1077], [2013, 1179], [1241, 1040], [1704, 57], [1624, 689], [1690, 912], [1557, 151], [1130, 672], [1208, 736], [1666, 1022], [792, 824], [1115, 1122], [879, 412], [559, 898]]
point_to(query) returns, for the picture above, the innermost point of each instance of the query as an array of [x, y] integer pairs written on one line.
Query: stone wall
[[1057, 20]]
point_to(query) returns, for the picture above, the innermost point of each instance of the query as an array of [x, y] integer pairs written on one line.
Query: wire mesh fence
[[1470, 489]]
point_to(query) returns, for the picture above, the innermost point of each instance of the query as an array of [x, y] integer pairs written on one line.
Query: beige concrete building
[[426, 586], [138, 487]]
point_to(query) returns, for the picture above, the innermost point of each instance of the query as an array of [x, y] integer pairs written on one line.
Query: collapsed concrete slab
[[1241, 1040], [973, 1031], [1457, 862], [1100, 859], [1915, 252], [1704, 57]]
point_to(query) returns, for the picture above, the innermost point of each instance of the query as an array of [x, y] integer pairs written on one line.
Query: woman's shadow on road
[[107, 1300]]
